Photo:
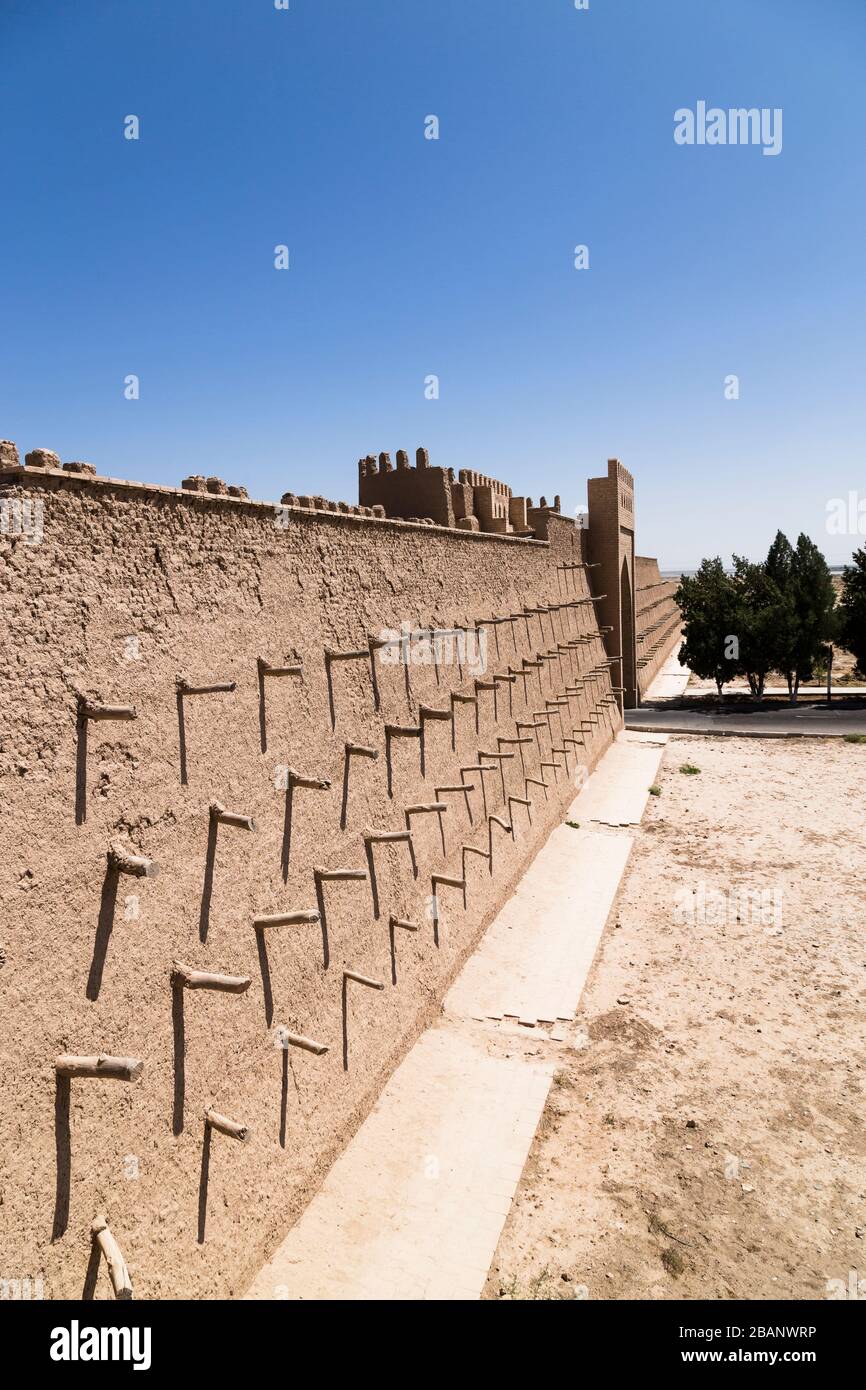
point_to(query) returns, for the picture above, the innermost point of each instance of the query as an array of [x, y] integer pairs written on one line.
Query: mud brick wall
[[658, 619], [128, 588]]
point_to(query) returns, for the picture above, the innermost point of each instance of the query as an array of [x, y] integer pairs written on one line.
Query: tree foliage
[[708, 602], [764, 622], [852, 610], [778, 615]]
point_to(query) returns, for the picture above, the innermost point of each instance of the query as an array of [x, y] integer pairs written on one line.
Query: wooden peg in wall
[[184, 687], [304, 917], [288, 1039], [233, 1128], [223, 817], [118, 1273], [182, 977], [90, 709], [120, 861], [100, 1067]]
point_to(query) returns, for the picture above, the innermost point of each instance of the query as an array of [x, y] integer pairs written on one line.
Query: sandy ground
[[703, 1138], [844, 675]]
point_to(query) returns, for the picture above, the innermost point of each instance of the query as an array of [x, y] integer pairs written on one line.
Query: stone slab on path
[[616, 793], [535, 956], [414, 1207]]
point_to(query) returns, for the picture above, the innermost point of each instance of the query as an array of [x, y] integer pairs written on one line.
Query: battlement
[[369, 466], [421, 495], [617, 470], [620, 475], [471, 502], [479, 480], [404, 492], [209, 495]]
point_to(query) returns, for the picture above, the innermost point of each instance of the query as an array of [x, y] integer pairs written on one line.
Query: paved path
[[671, 680], [793, 722], [415, 1205]]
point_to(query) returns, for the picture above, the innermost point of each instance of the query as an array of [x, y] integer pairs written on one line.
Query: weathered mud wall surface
[[658, 620], [129, 588]]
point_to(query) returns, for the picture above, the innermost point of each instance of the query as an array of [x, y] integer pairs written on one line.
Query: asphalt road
[[805, 721]]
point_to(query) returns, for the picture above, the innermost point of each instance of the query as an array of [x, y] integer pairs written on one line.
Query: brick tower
[[611, 547]]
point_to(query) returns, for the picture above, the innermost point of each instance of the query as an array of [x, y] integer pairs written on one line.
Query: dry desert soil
[[704, 1136]]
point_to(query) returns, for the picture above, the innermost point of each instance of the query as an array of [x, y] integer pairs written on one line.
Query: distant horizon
[[672, 572]]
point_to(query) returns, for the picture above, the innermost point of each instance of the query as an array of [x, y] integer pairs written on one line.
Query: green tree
[[776, 616], [814, 602], [780, 566], [780, 561], [708, 602], [852, 610], [763, 623], [805, 618], [835, 638]]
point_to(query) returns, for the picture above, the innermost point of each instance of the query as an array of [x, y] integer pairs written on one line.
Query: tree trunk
[[830, 678]]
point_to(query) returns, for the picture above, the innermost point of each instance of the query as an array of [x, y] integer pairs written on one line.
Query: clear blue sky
[[454, 257]]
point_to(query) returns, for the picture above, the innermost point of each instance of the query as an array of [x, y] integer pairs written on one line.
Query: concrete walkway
[[671, 680], [414, 1207]]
